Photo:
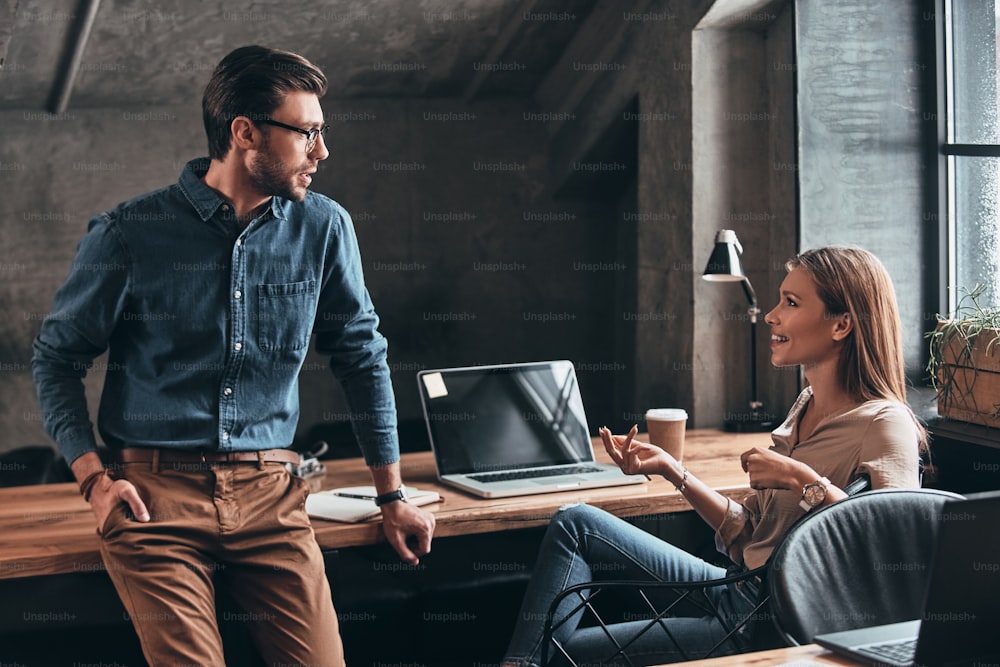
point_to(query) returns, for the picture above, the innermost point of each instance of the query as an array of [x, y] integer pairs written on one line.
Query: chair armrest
[[860, 484]]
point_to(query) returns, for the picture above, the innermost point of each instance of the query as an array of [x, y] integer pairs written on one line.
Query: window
[[971, 146]]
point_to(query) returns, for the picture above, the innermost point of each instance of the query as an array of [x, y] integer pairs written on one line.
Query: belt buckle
[[216, 457]]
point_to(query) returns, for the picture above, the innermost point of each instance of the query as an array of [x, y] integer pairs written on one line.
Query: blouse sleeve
[[736, 529], [890, 449]]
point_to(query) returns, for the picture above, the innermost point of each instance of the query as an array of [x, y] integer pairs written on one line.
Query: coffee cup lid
[[667, 413]]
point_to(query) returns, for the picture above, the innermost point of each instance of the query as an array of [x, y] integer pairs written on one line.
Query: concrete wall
[[468, 257], [867, 131], [715, 113], [744, 181], [643, 67], [67, 168]]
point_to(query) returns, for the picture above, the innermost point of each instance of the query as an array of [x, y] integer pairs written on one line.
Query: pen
[[358, 496]]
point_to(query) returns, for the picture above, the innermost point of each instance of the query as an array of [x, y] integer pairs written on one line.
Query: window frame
[[948, 152]]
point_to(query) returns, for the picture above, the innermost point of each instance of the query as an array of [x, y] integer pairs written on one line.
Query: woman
[[837, 319]]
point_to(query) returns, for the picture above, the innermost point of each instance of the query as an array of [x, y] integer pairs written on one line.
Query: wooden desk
[[49, 529], [799, 656]]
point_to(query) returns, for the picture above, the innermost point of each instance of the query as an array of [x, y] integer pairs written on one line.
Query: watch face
[[814, 494]]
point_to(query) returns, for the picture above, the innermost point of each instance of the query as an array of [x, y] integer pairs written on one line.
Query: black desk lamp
[[724, 266]]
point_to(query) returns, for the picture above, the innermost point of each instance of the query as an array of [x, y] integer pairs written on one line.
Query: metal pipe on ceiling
[[65, 89]]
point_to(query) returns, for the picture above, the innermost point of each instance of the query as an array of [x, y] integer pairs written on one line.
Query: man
[[205, 294]]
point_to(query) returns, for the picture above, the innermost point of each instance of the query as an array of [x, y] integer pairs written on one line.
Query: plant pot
[[968, 378]]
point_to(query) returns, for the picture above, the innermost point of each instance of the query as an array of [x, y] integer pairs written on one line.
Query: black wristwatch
[[391, 497]]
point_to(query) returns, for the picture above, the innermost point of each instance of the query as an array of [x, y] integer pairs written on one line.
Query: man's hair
[[252, 81]]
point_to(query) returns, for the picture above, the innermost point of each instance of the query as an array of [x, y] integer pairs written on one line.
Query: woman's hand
[[770, 470], [634, 457]]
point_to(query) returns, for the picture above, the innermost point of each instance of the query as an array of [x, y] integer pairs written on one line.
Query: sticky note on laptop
[[434, 384]]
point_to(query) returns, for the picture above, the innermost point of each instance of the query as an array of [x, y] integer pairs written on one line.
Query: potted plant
[[964, 362]]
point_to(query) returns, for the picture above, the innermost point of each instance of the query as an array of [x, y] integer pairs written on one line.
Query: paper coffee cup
[[666, 427]]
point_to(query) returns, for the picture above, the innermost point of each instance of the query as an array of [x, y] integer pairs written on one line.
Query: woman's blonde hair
[[854, 281]]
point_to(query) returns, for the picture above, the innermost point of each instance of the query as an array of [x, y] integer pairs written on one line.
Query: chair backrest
[[860, 562]]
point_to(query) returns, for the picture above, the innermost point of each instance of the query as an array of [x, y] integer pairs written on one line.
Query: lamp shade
[[724, 265]]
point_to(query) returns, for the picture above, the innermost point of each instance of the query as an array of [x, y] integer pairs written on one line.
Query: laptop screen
[[961, 612], [490, 418]]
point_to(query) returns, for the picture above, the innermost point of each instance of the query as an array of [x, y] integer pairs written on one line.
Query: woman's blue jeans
[[584, 543]]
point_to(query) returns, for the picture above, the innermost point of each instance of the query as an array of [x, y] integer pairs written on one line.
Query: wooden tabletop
[[49, 529], [799, 656]]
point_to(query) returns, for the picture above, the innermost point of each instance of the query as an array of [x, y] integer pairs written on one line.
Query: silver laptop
[[961, 615], [512, 430]]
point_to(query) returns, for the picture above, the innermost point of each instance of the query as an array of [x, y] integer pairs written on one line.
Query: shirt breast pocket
[[285, 313]]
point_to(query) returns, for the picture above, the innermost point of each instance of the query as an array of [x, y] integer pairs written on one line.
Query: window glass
[[977, 225], [973, 181], [974, 72]]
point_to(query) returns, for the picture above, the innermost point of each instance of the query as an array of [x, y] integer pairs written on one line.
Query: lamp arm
[[755, 403], [753, 312], [751, 297]]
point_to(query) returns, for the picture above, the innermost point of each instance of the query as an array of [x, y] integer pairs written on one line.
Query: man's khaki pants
[[241, 525]]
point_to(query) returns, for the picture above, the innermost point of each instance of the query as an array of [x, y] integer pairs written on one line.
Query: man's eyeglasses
[[311, 135]]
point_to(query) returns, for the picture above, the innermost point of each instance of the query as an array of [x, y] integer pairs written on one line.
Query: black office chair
[[857, 563], [602, 602]]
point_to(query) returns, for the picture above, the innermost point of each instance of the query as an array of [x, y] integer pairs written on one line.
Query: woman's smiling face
[[802, 332]]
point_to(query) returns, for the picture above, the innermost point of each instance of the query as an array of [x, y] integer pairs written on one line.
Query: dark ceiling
[[138, 53]]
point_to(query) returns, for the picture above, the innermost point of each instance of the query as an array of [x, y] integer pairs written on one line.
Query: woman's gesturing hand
[[768, 469], [635, 457]]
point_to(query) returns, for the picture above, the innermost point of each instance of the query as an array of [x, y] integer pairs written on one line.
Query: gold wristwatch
[[814, 493]]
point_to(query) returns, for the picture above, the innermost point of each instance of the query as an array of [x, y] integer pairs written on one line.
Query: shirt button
[[225, 207], [228, 391], [237, 294], [238, 346], [239, 242], [225, 435]]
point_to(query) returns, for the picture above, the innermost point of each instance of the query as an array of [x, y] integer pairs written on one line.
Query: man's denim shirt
[[208, 326]]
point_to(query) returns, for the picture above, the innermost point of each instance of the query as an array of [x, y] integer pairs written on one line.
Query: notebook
[[960, 619], [513, 429], [352, 504]]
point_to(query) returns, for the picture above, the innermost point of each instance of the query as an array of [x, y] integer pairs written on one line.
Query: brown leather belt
[[167, 455]]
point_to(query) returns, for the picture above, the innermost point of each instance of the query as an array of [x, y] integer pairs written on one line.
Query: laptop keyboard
[[531, 473], [901, 652]]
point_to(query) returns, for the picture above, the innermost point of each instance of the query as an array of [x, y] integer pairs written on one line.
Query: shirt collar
[[207, 201]]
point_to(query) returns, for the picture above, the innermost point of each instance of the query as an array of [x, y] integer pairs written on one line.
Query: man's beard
[[273, 178]]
